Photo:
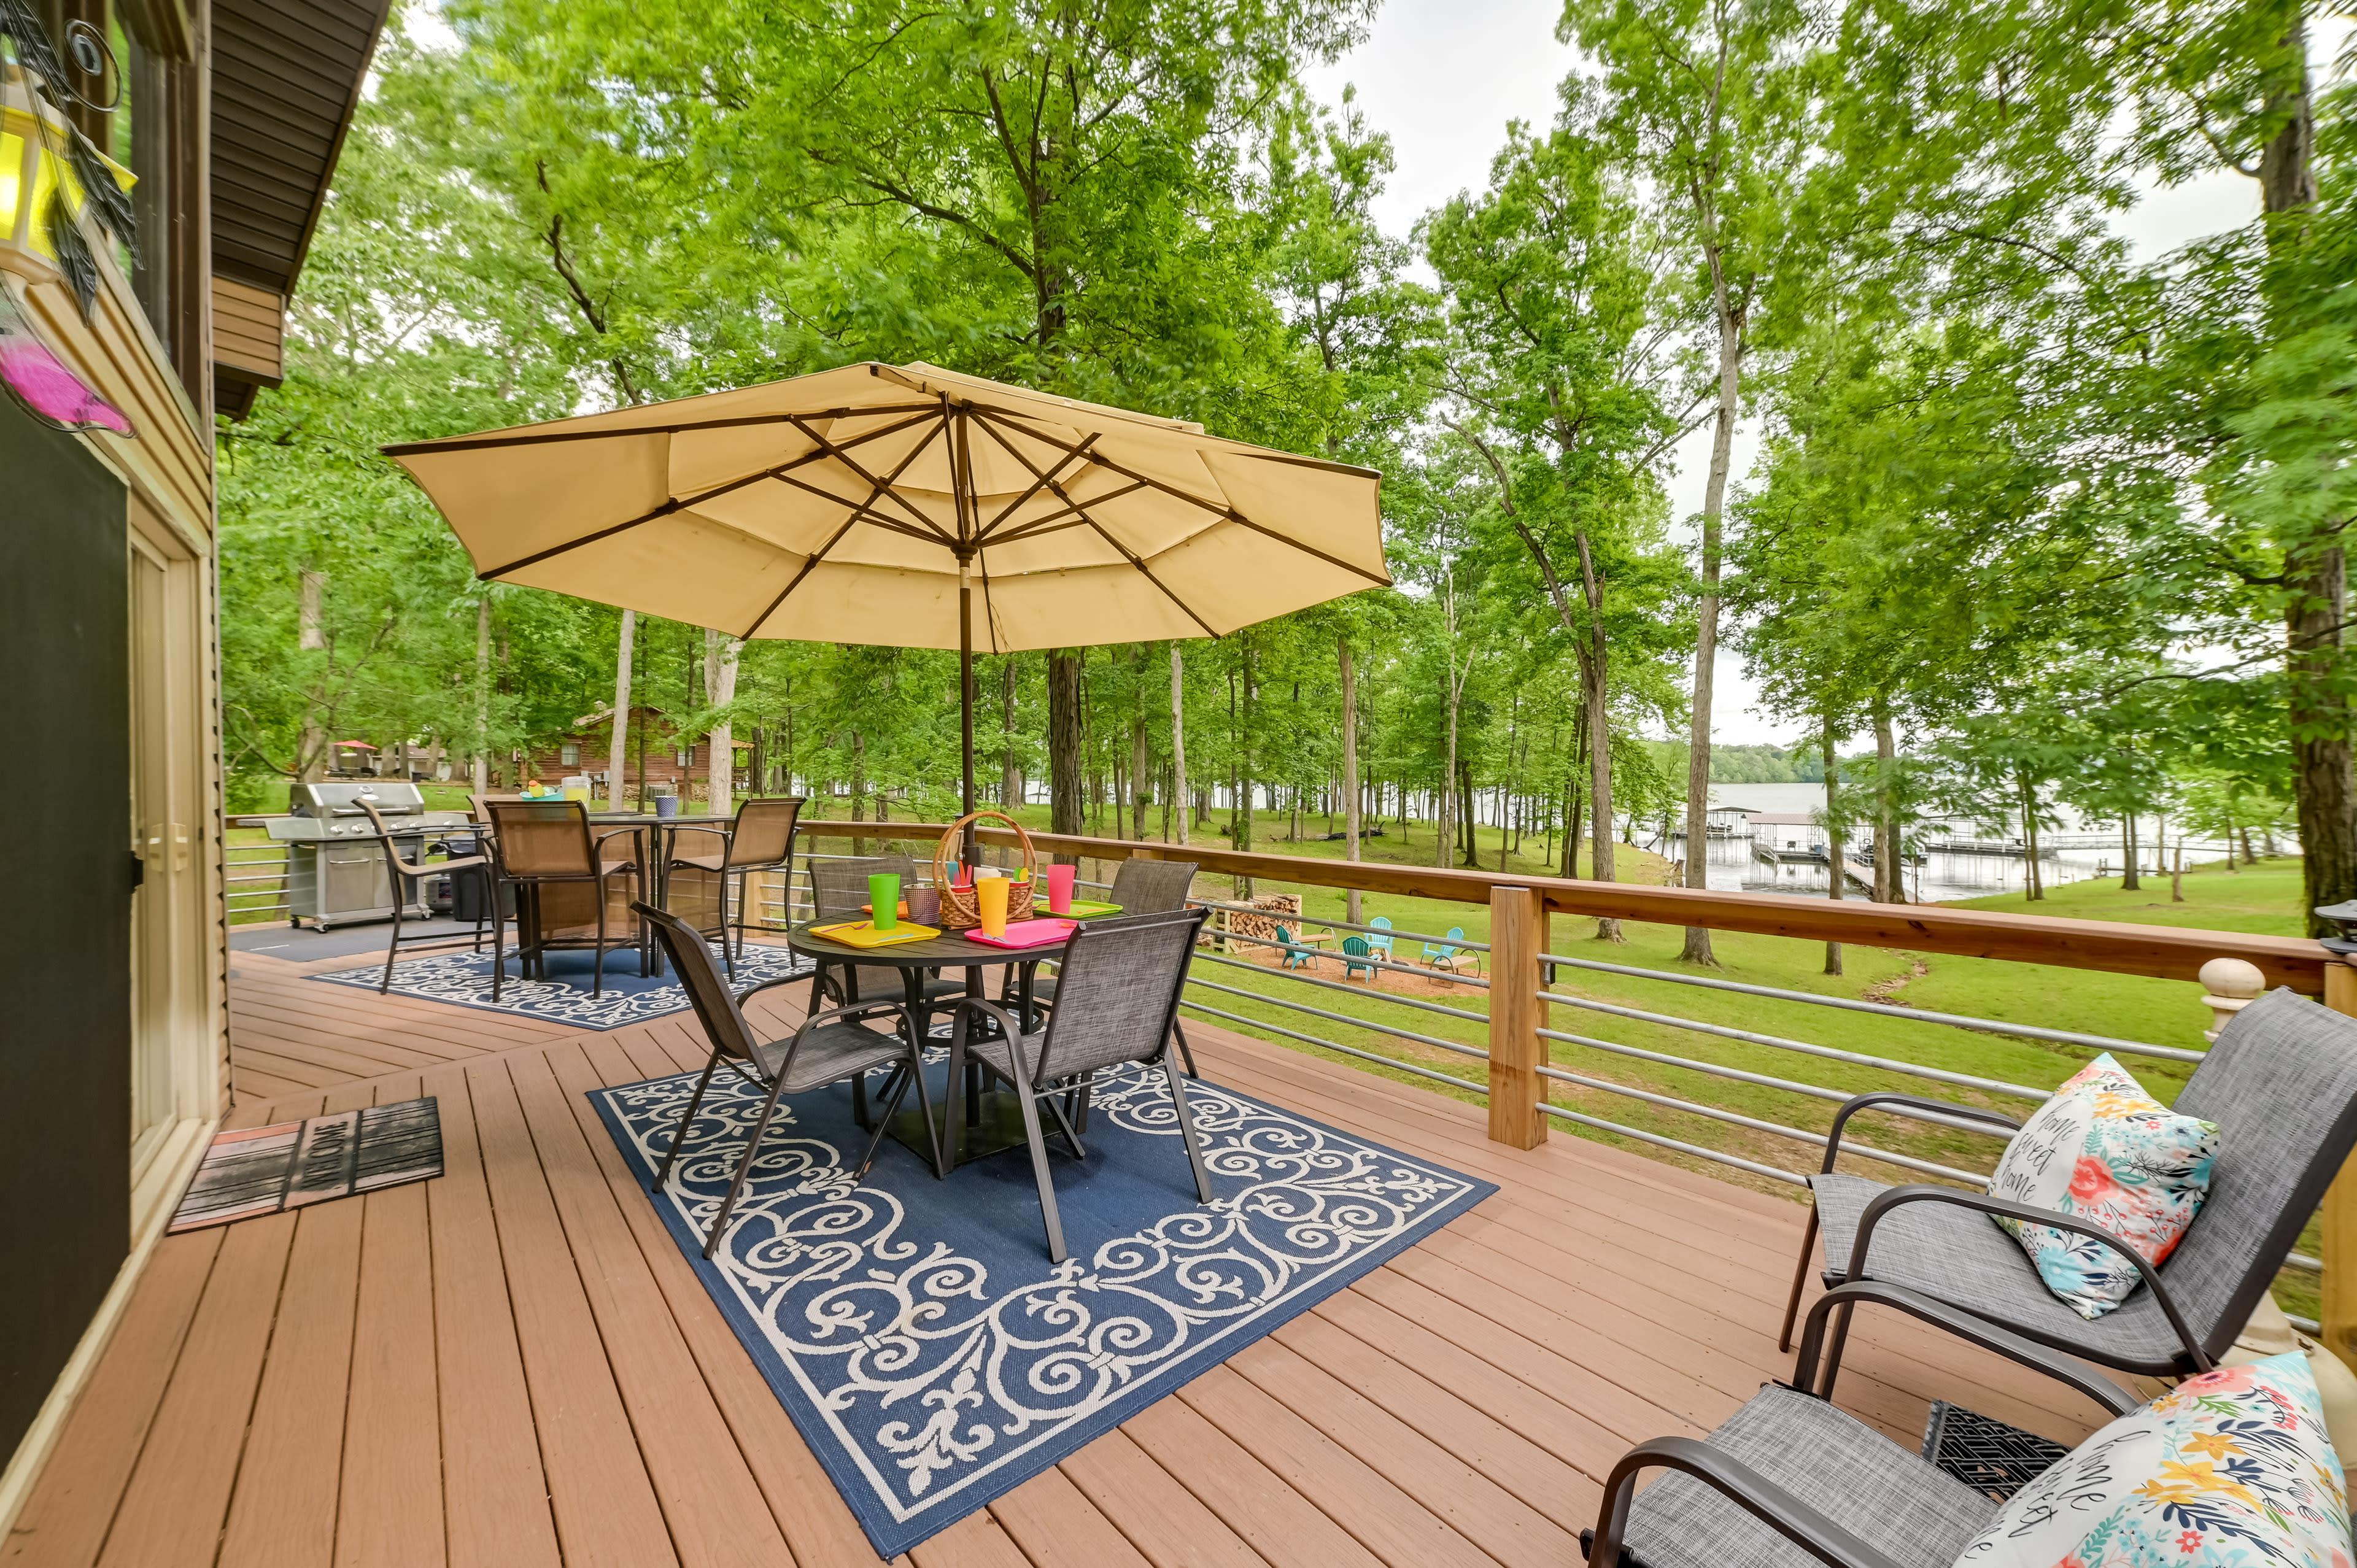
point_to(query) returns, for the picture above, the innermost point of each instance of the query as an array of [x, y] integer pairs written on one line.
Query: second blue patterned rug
[[914, 1329]]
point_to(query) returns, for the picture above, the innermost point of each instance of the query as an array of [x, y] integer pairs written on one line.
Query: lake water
[[1940, 876]]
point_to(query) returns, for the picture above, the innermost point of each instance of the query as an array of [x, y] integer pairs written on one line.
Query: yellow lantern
[[33, 139]]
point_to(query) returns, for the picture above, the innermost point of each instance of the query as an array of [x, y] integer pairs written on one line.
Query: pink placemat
[[1024, 934]]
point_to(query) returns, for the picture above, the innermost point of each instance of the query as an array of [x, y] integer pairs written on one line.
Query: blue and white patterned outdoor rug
[[464, 978], [914, 1329]]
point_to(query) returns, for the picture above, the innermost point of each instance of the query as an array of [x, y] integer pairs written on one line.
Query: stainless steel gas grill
[[336, 870]]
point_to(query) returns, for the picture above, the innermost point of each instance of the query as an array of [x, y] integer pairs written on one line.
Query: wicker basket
[[961, 908]]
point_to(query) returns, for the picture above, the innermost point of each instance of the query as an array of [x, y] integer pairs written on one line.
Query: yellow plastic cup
[[990, 896]]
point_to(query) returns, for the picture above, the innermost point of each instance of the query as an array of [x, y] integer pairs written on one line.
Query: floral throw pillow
[[2105, 1152], [2230, 1469]]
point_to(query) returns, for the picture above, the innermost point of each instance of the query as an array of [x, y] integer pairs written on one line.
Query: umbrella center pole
[[965, 695]]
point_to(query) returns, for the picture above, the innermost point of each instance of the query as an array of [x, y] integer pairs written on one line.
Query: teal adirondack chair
[[1445, 956], [1357, 947], [1380, 940], [1296, 956]]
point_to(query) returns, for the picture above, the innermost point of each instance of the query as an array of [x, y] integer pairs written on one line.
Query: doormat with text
[[252, 1171]]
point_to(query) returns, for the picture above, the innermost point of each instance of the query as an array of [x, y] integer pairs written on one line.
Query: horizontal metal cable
[[1461, 1049], [1831, 1053], [1346, 990], [1738, 1161], [1335, 1045], [1798, 1134], [1883, 1009], [1347, 926], [1366, 961], [2308, 1326], [1788, 1085], [2303, 1263]]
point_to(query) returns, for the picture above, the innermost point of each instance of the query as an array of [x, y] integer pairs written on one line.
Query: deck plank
[[391, 1511], [178, 1495], [605, 1504], [715, 1510], [495, 1497], [1168, 1524]]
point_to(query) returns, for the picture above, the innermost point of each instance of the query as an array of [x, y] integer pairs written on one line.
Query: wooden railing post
[[1517, 937], [2338, 1314]]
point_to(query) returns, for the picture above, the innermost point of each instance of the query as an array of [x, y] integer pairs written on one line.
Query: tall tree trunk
[[1141, 763], [618, 741], [480, 773], [2324, 791], [1834, 840], [1351, 820], [2033, 886], [1594, 680], [858, 786], [1887, 887], [1064, 745], [1178, 791], [1714, 502], [2129, 882], [1472, 836], [720, 652], [1443, 835], [1010, 775], [311, 744]]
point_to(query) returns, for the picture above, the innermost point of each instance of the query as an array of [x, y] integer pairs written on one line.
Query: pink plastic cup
[[1059, 888]]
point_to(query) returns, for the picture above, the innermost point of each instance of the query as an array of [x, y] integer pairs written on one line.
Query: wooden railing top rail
[[2167, 952]]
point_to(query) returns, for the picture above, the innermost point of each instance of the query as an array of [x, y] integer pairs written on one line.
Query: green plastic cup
[[884, 899]]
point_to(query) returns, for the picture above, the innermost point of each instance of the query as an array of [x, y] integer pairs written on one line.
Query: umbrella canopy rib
[[1218, 509], [808, 566], [1128, 554], [527, 436], [676, 503], [1039, 482], [884, 486]]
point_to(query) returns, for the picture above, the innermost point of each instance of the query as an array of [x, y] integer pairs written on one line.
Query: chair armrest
[[837, 1015], [773, 984], [1857, 1104], [1007, 1024], [1964, 1325], [1924, 1193], [1754, 1493]]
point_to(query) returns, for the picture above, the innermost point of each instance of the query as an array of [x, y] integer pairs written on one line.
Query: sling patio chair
[[760, 839], [839, 892], [1117, 998], [1789, 1481], [2281, 1084], [403, 873], [1141, 886], [829, 1048]]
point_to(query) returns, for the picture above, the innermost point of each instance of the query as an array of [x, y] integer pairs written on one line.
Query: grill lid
[[392, 798]]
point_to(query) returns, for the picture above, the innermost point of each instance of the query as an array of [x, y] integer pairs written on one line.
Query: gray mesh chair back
[[2281, 1083], [1117, 992], [1143, 887], [839, 892], [833, 1047], [707, 991]]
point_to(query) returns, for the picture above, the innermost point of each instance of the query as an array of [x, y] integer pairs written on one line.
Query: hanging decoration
[[42, 384]]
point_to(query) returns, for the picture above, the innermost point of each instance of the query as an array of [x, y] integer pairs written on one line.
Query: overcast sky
[[1443, 78]]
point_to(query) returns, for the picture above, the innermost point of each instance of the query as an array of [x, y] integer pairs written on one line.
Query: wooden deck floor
[[512, 1366]]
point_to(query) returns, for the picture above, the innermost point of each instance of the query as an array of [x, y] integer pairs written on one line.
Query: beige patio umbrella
[[910, 505]]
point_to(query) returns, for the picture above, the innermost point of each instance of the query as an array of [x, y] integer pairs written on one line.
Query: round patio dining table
[[994, 1121]]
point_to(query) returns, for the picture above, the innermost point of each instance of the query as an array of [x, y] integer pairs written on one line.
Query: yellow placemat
[[864, 934]]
